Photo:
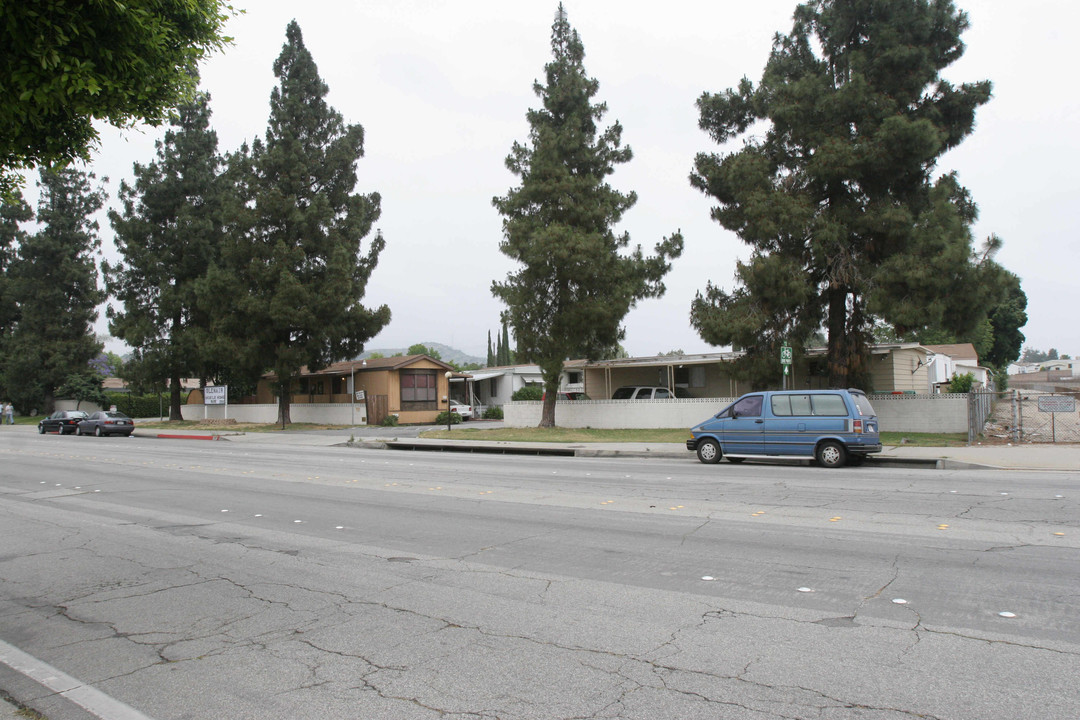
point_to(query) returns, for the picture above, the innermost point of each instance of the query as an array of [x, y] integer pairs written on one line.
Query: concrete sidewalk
[[1006, 457]]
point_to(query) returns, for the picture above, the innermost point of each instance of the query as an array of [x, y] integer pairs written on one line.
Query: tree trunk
[[838, 341], [551, 371], [284, 398], [174, 398], [547, 417]]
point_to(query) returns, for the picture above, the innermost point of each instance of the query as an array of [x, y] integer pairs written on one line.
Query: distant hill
[[447, 353]]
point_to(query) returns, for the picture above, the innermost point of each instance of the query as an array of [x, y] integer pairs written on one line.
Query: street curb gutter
[[453, 447], [585, 452], [166, 436]]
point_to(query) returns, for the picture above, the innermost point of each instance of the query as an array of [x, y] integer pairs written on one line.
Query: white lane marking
[[88, 698]]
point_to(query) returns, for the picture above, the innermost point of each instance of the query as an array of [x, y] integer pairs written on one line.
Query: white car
[[465, 411]]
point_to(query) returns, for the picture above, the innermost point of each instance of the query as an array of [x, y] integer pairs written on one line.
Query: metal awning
[[485, 376]]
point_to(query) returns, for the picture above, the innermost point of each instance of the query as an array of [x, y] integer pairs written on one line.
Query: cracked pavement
[[218, 582]]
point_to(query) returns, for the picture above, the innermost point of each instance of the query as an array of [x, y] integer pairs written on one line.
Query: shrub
[[390, 421], [441, 419], [529, 392], [493, 413], [962, 383], [141, 406]]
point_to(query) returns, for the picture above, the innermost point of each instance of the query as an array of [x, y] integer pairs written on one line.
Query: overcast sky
[[442, 88]]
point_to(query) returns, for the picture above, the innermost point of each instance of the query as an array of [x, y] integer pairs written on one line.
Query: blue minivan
[[834, 427]]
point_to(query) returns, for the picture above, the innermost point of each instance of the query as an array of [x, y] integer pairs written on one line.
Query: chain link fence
[[1024, 416]]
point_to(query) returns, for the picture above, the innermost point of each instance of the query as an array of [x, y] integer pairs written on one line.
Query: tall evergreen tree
[[168, 233], [507, 353], [292, 273], [837, 199], [490, 362], [53, 281], [13, 213], [1006, 319], [574, 287]]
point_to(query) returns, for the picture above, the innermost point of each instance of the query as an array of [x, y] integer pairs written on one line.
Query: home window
[[690, 376], [419, 390], [573, 378]]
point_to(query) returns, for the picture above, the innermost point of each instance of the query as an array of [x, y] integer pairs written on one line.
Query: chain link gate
[[1024, 416]]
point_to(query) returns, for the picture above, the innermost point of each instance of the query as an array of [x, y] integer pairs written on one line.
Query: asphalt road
[[194, 579]]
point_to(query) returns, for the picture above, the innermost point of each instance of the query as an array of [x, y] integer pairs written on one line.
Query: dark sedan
[[106, 423], [61, 422]]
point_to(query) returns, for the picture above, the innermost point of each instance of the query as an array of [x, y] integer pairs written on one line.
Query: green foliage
[[504, 355], [490, 362], [148, 405], [962, 383], [441, 419], [574, 286], [292, 275], [52, 281], [14, 212], [1032, 355], [83, 387], [169, 233], [835, 197], [69, 64], [529, 392], [389, 421], [421, 349], [493, 413]]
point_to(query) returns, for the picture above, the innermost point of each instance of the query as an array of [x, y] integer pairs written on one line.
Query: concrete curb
[[171, 436]]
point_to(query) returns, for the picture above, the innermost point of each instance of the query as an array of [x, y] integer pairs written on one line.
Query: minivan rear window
[[862, 404]]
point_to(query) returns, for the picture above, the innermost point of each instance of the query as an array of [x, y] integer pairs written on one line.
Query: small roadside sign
[[216, 394], [785, 355], [1057, 403]]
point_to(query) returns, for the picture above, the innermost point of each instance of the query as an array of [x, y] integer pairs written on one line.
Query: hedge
[[142, 406]]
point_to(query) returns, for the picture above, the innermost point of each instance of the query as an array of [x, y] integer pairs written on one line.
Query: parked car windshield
[[748, 407]]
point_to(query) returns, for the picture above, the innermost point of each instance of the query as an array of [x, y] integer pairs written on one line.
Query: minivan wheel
[[831, 454], [708, 451]]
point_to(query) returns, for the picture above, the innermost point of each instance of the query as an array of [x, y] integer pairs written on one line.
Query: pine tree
[[574, 287], [490, 362], [507, 353], [53, 282], [168, 233], [13, 213], [837, 199], [292, 274]]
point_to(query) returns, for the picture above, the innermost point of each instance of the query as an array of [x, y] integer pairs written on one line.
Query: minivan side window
[[747, 407], [788, 405], [829, 405], [659, 393]]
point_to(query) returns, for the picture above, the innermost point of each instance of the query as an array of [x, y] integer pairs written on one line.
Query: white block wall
[[321, 413], [896, 413], [922, 413], [613, 414]]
